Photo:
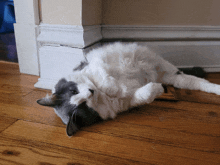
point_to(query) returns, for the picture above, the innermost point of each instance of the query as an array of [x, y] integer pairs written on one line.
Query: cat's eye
[[74, 92]]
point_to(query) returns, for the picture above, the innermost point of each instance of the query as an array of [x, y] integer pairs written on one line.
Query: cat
[[118, 77]]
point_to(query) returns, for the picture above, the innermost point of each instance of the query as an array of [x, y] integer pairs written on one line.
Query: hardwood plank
[[31, 98], [213, 77], [204, 115], [9, 66], [172, 119], [206, 109], [22, 80], [22, 96], [214, 80], [28, 80], [155, 135], [13, 94], [42, 114], [13, 90], [5, 122], [108, 145], [9, 98], [22, 151], [197, 96]]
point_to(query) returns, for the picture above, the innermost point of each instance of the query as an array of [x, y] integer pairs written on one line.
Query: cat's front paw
[[80, 98], [111, 91], [77, 100], [110, 87], [155, 88]]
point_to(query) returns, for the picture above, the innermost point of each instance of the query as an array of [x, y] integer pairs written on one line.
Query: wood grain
[[23, 151], [167, 131], [109, 145], [9, 68], [155, 135], [15, 90], [5, 122], [173, 120], [39, 115], [197, 96]]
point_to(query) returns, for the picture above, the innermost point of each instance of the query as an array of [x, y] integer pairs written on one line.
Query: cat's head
[[75, 115]]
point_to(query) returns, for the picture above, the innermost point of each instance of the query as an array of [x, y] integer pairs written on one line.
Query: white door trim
[[26, 31]]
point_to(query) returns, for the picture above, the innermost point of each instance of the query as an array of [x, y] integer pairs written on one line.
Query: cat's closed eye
[[73, 91]]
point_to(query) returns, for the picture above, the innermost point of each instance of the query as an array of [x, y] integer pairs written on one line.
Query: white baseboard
[[45, 83], [69, 35], [187, 54], [133, 32]]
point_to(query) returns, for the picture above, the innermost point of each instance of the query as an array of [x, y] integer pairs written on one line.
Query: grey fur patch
[[82, 65], [74, 116]]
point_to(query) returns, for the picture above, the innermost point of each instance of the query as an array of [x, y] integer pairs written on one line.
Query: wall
[[71, 12], [130, 12], [161, 12], [91, 12], [66, 12]]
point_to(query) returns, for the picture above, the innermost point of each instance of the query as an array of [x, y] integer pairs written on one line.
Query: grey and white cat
[[118, 77]]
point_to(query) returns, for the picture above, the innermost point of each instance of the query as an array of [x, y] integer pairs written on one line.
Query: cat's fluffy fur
[[122, 76], [127, 75]]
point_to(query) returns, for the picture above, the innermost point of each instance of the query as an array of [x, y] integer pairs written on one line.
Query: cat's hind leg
[[184, 81], [146, 94]]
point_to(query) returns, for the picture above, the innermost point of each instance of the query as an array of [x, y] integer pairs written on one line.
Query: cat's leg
[[146, 94], [105, 82], [184, 81], [109, 86]]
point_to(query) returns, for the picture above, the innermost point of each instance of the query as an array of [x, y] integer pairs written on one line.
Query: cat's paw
[[110, 87], [111, 91], [156, 89], [77, 100], [80, 98]]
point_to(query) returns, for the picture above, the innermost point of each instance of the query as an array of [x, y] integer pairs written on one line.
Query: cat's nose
[[91, 90]]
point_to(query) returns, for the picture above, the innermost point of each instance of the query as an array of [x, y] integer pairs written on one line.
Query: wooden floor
[[164, 132]]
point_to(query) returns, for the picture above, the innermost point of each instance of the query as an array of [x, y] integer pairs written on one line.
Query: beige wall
[[67, 12], [161, 12], [130, 12], [91, 12], [71, 12]]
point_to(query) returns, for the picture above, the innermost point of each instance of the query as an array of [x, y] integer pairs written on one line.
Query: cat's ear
[[54, 99], [50, 101], [71, 127], [60, 85]]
